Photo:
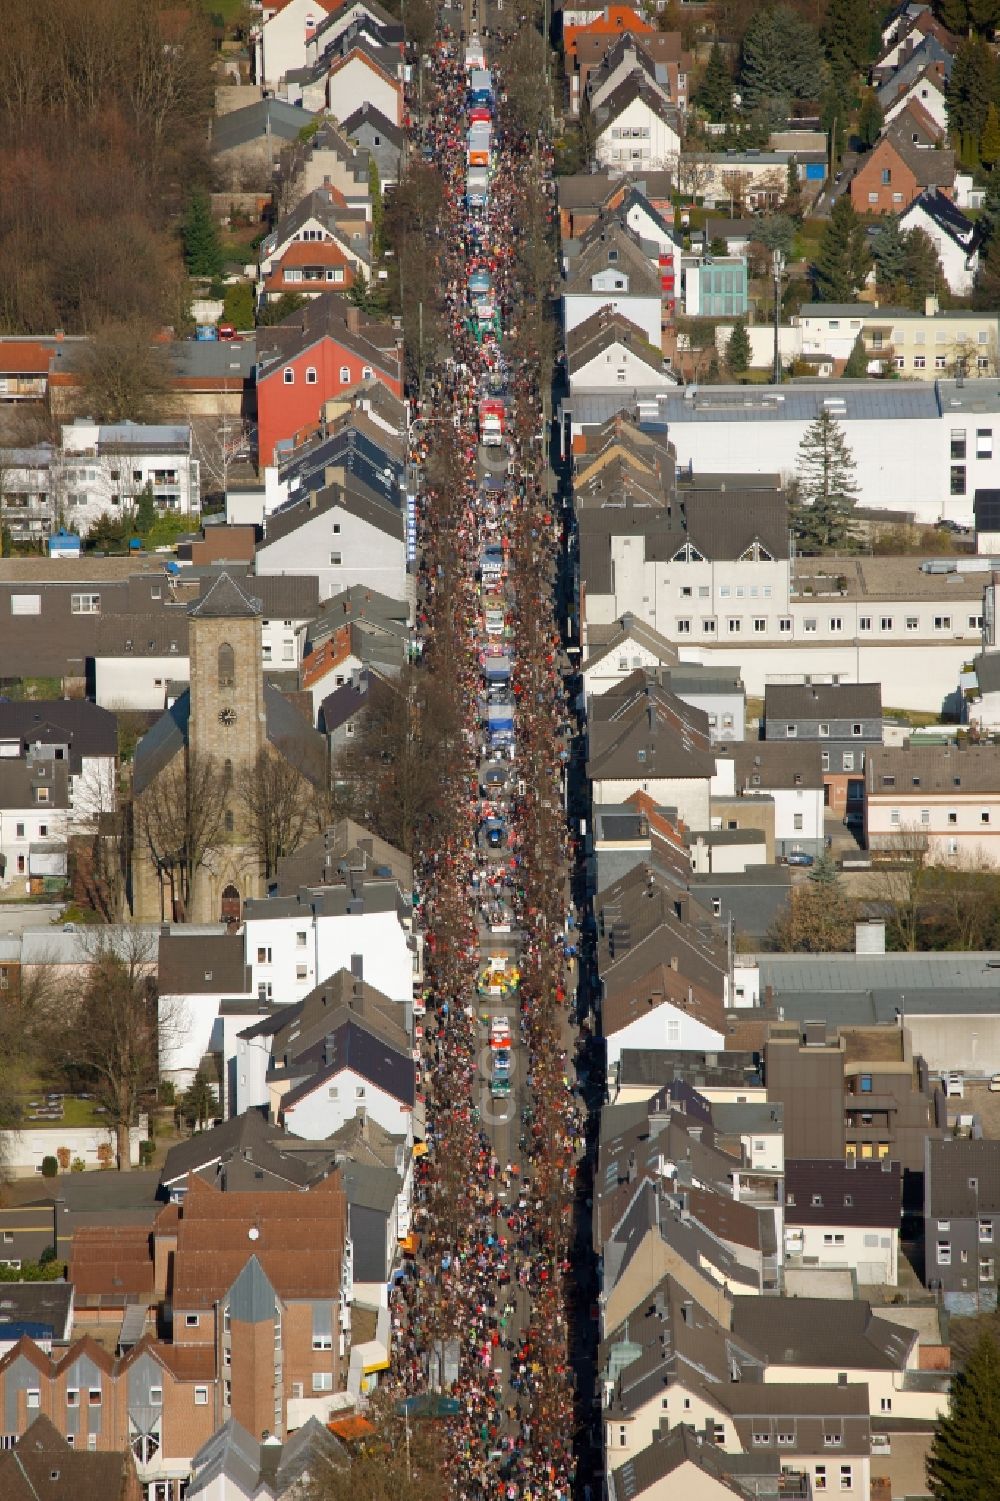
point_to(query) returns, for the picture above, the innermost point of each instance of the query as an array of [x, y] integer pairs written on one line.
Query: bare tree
[[282, 808], [897, 887], [124, 374], [179, 819], [107, 1039]]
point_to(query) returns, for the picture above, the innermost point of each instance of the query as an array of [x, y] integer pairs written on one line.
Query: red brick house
[[314, 355], [896, 171]]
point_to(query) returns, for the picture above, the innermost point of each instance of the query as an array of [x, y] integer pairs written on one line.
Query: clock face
[[227, 717]]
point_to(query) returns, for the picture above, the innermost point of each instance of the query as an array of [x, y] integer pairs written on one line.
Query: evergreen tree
[[964, 1460], [954, 14], [849, 36], [144, 517], [989, 214], [781, 58], [984, 15], [842, 258], [889, 254], [202, 251], [989, 141], [922, 273], [970, 90], [714, 93], [857, 361], [827, 489], [824, 873], [870, 119], [738, 349], [987, 288]]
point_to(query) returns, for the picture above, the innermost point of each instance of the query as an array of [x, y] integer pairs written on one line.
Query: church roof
[[225, 600]]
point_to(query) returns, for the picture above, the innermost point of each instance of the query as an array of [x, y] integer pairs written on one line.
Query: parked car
[[799, 857]]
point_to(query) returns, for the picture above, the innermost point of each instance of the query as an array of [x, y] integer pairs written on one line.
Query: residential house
[[910, 35], [635, 127], [58, 777], [357, 69], [353, 1069], [347, 18], [310, 270], [677, 1461], [642, 737], [606, 20], [918, 80], [597, 53], [198, 971], [663, 967], [382, 137], [281, 43], [320, 217], [942, 800], [247, 143], [346, 536], [844, 1214], [24, 368], [234, 1466], [311, 357], [790, 777], [608, 268], [607, 349], [749, 180], [42, 1311], [896, 170], [840, 1342], [961, 1213], [956, 238], [929, 345], [628, 645], [844, 718], [328, 160], [822, 1432], [45, 1464]]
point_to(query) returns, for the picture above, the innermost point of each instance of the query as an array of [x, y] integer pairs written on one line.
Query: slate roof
[[953, 1161], [88, 729], [631, 628], [201, 963], [593, 257], [602, 331], [916, 769], [764, 765], [826, 701], [249, 1136], [948, 217], [826, 1332], [640, 729], [44, 1465], [352, 1046], [225, 600], [368, 114], [855, 1194], [266, 117], [46, 1304], [330, 857], [755, 1474]]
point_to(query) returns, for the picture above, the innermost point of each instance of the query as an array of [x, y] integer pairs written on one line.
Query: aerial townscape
[[500, 750]]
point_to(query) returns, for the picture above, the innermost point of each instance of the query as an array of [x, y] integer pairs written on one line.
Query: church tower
[[228, 725]]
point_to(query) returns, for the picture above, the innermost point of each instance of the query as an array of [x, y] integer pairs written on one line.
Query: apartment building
[[844, 1214], [962, 1222], [926, 346], [943, 801], [843, 718]]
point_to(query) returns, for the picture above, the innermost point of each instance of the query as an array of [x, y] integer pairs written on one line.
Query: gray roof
[[987, 670], [354, 1047], [86, 728], [825, 1332], [252, 1299], [258, 121], [914, 769], [793, 701], [267, 1471], [225, 600], [955, 1165], [43, 1303], [767, 764], [827, 1192], [201, 963]]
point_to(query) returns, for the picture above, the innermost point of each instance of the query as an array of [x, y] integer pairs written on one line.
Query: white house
[[294, 943], [607, 349], [944, 800], [358, 78], [636, 128], [342, 536], [199, 968], [361, 1071], [955, 237], [927, 89], [611, 270], [787, 774], [106, 467], [844, 1214], [281, 42]]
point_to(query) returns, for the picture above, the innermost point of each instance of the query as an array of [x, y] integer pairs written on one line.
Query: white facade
[[335, 1101], [340, 549], [281, 42], [105, 468], [665, 1026], [689, 795], [958, 263], [289, 956], [798, 816], [872, 1253], [138, 683], [638, 137], [620, 365], [24, 1150], [356, 82], [927, 94], [960, 827]]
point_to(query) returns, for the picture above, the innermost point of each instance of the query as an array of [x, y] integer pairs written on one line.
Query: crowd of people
[[482, 1308]]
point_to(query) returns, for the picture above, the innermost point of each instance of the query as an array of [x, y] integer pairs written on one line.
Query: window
[[683, 627], [41, 794], [20, 831], [833, 1239], [952, 816], [944, 1253], [797, 821], [939, 362], [311, 376], [322, 1381], [367, 372], [873, 198], [72, 1396], [958, 442], [809, 626], [925, 817], [288, 376], [846, 1478], [864, 622], [913, 622], [832, 1440], [784, 625], [759, 625], [300, 940], [819, 1478], [824, 731], [785, 1440], [227, 666], [708, 627], [984, 442], [975, 622], [156, 1396], [885, 623], [984, 815], [336, 558], [82, 604], [191, 1321], [886, 176], [201, 1396], [942, 622], [824, 757], [986, 1269], [985, 1231], [322, 1341], [958, 479], [836, 623], [866, 1083], [345, 376], [894, 817], [886, 1404], [94, 1397], [791, 731], [301, 971], [761, 1437], [920, 362], [735, 626]]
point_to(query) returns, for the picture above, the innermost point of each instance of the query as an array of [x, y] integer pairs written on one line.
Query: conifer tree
[[738, 349], [822, 518], [781, 58], [857, 361], [202, 251], [964, 1460], [842, 258], [989, 141], [715, 92]]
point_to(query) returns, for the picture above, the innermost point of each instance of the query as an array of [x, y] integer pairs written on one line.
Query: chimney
[[930, 307], [353, 318]]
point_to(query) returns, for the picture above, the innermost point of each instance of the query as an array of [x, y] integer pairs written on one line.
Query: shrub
[[50, 1167]]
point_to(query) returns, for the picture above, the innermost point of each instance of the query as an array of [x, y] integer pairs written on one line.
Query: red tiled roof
[[23, 358]]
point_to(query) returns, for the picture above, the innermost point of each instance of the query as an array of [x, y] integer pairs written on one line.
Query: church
[[196, 855]]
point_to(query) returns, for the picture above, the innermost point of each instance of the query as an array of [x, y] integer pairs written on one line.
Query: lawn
[[76, 1112]]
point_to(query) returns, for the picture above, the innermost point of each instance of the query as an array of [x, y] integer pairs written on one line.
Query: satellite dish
[[253, 1233]]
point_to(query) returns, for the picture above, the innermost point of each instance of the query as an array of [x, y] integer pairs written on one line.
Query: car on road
[[799, 857], [500, 1032], [500, 1087], [495, 833]]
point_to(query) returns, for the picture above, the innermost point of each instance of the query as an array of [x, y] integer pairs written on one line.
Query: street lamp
[[777, 266]]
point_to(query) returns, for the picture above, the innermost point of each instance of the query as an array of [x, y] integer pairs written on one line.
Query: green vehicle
[[500, 1087]]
